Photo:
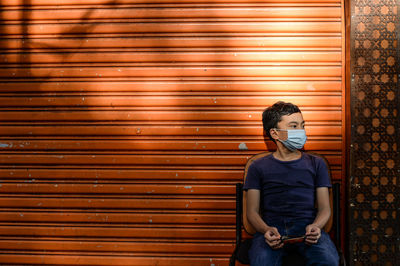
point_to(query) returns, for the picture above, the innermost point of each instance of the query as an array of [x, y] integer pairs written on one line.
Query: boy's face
[[293, 121]]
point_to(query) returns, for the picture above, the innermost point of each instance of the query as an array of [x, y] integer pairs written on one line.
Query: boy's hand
[[273, 238], [313, 233]]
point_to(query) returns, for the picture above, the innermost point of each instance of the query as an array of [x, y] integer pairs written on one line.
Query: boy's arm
[[313, 231], [324, 207], [253, 207], [271, 234]]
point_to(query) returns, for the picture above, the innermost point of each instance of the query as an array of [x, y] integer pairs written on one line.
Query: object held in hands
[[292, 239]]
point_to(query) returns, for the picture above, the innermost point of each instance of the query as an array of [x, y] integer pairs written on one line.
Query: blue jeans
[[322, 253]]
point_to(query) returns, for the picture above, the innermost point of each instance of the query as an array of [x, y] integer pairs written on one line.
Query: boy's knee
[[330, 260], [263, 255], [323, 254], [265, 258], [325, 259], [259, 258]]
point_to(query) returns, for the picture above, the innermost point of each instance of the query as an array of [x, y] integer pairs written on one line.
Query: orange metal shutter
[[125, 124]]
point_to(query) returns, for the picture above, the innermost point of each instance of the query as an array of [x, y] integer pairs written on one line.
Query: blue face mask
[[295, 140]]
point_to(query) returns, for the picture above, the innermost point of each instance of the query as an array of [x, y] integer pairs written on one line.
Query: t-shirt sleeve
[[323, 177], [253, 178]]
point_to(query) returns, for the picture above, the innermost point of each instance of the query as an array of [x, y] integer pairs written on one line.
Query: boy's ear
[[273, 133]]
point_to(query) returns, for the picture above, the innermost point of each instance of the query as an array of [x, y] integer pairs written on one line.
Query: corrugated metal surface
[[126, 123]]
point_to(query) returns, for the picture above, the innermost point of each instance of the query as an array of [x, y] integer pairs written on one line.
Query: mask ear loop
[[277, 129]]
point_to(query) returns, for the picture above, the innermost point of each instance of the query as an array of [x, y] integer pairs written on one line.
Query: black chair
[[293, 259]]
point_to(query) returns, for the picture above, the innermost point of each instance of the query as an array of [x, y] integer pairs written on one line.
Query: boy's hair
[[273, 115]]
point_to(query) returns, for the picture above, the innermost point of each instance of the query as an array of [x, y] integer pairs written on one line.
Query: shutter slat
[[112, 189], [100, 259], [313, 28], [40, 43], [111, 218], [156, 101], [157, 2], [162, 87], [145, 130], [122, 232], [205, 58], [180, 13]]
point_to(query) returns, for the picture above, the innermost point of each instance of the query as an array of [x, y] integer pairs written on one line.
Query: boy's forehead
[[295, 117]]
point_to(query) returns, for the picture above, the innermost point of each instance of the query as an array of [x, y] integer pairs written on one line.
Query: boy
[[286, 185]]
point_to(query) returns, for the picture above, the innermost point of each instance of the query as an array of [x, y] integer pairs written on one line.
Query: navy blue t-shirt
[[287, 188]]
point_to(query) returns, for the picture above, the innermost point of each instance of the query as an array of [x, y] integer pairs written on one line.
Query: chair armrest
[[239, 210], [336, 213]]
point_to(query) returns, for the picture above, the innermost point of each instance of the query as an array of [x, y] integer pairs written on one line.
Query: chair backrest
[[246, 224]]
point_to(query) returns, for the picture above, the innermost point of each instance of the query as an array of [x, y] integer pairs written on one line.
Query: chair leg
[[336, 220], [239, 194], [239, 210], [232, 260], [336, 213]]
